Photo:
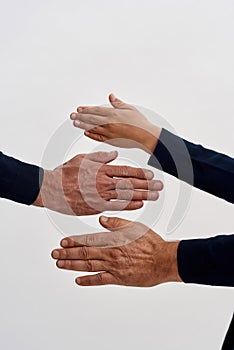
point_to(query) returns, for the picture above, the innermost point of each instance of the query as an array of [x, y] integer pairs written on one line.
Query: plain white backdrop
[[173, 57]]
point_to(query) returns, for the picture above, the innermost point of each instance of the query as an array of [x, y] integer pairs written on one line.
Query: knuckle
[[89, 265], [114, 253], [86, 240], [98, 137], [64, 254], [100, 278], [84, 253], [68, 264], [125, 170], [115, 222]]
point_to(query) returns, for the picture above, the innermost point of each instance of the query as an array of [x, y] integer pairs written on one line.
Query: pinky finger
[[97, 137], [123, 205], [98, 279]]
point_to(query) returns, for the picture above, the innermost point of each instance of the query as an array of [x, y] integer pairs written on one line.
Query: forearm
[[20, 182], [205, 169], [207, 261]]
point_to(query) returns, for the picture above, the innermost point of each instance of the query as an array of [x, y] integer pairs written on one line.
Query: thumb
[[113, 224], [117, 103], [102, 157]]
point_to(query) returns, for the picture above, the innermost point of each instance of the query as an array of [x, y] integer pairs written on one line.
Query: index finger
[[80, 253], [97, 110], [127, 171], [101, 239]]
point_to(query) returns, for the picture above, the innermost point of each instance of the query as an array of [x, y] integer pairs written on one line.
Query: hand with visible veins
[[132, 255], [121, 126], [87, 185]]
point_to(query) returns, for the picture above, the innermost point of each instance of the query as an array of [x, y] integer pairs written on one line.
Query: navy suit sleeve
[[19, 181], [205, 169], [203, 261], [207, 261]]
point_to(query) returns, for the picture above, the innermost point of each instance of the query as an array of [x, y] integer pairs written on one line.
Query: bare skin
[[122, 126], [86, 185], [133, 255]]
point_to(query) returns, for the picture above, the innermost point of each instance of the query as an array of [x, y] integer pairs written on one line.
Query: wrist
[[39, 200], [150, 138], [171, 262]]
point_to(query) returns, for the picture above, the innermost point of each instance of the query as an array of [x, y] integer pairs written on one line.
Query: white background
[[173, 57]]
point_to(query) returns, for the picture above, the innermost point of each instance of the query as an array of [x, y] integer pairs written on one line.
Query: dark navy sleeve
[[203, 168], [207, 261], [203, 261], [19, 181]]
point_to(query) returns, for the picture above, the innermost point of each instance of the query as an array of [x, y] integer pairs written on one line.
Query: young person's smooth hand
[[121, 126]]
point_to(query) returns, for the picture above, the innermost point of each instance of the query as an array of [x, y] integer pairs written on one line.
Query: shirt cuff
[[20, 182]]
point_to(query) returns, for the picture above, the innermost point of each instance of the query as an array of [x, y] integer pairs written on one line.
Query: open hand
[[122, 126], [87, 185], [131, 255]]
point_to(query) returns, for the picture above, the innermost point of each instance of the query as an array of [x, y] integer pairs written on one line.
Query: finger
[[127, 171], [72, 241], [99, 279], [81, 253], [102, 157], [132, 195], [89, 127], [82, 265], [117, 103], [96, 137], [122, 205], [89, 118], [96, 110], [113, 223], [100, 239], [131, 183]]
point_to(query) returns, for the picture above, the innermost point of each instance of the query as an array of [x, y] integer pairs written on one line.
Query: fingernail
[[153, 195], [64, 243], [55, 254], [161, 185], [73, 116], [60, 263], [149, 175], [113, 153], [104, 219], [80, 110], [76, 122], [138, 204], [87, 133], [78, 280]]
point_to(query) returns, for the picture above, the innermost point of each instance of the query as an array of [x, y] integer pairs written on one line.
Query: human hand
[[131, 255], [121, 126], [85, 185]]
